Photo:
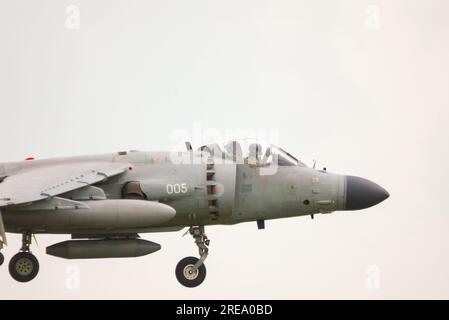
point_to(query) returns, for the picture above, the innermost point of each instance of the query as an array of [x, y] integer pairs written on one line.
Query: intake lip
[[362, 193]]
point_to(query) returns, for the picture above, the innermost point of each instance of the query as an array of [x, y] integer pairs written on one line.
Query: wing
[[41, 183]]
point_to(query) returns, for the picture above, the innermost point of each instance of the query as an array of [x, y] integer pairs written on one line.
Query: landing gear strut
[[2, 258], [191, 271], [2, 238], [24, 266]]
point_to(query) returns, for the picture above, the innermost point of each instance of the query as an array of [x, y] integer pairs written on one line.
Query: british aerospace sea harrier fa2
[[104, 202]]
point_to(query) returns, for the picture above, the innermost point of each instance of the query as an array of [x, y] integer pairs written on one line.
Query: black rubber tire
[[194, 282], [2, 259], [23, 267]]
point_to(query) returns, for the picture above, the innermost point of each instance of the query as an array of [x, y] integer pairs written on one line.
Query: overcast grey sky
[[361, 86]]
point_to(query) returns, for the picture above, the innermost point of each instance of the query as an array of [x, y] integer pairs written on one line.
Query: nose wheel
[[24, 266], [186, 274], [191, 271], [2, 259]]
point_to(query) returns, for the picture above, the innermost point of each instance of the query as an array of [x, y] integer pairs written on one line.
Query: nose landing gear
[[191, 271], [24, 266]]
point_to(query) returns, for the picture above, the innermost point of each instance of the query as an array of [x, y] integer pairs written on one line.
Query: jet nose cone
[[362, 193]]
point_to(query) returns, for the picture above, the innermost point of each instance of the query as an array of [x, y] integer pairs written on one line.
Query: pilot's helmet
[[255, 152], [233, 148]]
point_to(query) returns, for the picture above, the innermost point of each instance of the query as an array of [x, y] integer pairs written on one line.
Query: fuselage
[[202, 190]]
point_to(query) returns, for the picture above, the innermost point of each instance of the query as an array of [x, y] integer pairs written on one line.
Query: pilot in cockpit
[[254, 154], [234, 150]]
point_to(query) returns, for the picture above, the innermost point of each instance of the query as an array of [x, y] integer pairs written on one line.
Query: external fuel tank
[[105, 248], [94, 215]]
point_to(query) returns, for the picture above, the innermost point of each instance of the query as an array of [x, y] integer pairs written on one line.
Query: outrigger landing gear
[[2, 258], [191, 271], [24, 266], [2, 238]]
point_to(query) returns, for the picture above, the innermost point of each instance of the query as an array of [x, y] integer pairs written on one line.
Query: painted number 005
[[177, 188]]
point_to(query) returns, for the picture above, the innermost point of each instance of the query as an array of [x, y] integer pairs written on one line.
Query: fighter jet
[[105, 201]]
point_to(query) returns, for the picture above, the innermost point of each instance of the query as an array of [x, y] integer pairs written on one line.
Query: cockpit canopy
[[251, 151]]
